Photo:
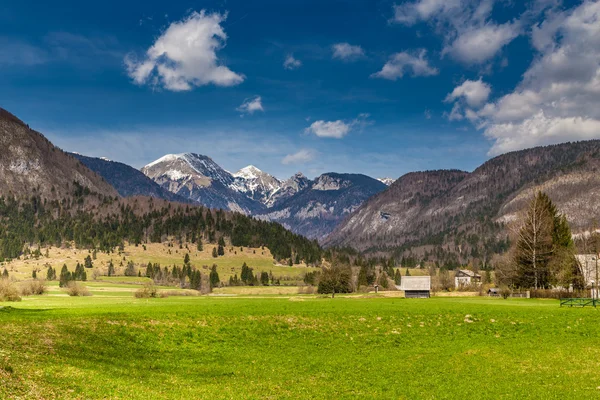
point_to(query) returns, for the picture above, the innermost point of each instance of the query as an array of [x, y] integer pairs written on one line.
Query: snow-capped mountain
[[256, 184], [386, 181], [316, 209], [199, 178], [311, 208]]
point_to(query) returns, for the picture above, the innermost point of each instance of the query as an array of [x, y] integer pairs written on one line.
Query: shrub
[[336, 279], [8, 291], [147, 291], [34, 287], [505, 292], [76, 289]]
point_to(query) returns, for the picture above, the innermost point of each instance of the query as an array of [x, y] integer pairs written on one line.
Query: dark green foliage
[[199, 245], [65, 276], [34, 274], [5, 273], [397, 277], [214, 277], [337, 279], [130, 269], [52, 223], [214, 252], [51, 274], [111, 268], [310, 278], [79, 274], [221, 251], [247, 276], [88, 262], [264, 278]]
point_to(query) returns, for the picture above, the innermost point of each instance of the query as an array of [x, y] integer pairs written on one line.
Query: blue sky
[[375, 87]]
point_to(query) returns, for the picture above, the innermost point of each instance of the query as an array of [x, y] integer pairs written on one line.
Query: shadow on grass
[[13, 310]]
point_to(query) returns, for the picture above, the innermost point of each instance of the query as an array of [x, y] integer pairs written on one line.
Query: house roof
[[466, 272], [415, 283]]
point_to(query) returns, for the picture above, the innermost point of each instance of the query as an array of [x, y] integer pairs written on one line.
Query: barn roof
[[415, 283]]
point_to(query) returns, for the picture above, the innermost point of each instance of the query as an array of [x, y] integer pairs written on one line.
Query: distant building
[[464, 277], [589, 266], [416, 287]]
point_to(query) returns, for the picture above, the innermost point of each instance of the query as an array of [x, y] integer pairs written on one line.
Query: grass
[[231, 263], [113, 346]]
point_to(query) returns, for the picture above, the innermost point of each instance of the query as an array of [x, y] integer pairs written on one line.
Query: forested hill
[[138, 220], [48, 197], [455, 216]]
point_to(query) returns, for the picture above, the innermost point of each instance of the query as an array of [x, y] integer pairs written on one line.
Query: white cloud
[[475, 93], [456, 113], [558, 98], [404, 62], [185, 55], [337, 129], [477, 45], [469, 33], [347, 52], [250, 106], [291, 63], [299, 157]]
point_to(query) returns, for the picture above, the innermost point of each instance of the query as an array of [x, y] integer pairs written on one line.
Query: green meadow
[[228, 346]]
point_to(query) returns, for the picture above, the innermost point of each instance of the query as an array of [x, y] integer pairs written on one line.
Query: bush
[[336, 279], [34, 287], [505, 292], [76, 289], [147, 291], [8, 291]]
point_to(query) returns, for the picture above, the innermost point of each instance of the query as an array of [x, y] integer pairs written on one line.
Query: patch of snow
[[386, 181]]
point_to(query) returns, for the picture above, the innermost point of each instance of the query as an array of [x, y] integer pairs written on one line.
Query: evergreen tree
[[264, 278], [199, 245], [5, 274], [221, 251], [186, 260], [397, 277], [111, 268], [65, 276], [34, 274], [214, 252], [51, 274], [88, 262], [214, 277]]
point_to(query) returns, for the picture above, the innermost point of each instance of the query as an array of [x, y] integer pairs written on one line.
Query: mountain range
[[443, 215], [309, 207]]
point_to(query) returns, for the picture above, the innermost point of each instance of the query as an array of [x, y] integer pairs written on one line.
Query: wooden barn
[[416, 287]]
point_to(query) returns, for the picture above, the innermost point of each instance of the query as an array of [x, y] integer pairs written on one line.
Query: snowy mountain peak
[[386, 181], [249, 172]]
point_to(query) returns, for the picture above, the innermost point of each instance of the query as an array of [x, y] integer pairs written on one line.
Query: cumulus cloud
[[402, 63], [336, 129], [291, 63], [347, 52], [299, 157], [252, 105], [185, 55], [475, 93], [470, 34], [558, 98]]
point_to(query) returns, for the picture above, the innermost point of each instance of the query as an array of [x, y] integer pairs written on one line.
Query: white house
[[465, 277]]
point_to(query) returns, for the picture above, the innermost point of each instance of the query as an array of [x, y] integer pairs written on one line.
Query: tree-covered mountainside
[[127, 180], [91, 220], [455, 216]]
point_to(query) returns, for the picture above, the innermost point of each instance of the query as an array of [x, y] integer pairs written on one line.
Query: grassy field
[[231, 263], [290, 346]]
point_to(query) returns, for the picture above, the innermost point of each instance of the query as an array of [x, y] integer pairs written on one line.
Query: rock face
[[467, 212], [200, 179], [386, 181], [127, 180], [318, 208], [31, 165]]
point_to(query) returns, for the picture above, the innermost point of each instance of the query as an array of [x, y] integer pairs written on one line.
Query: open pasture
[[111, 345], [260, 259]]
